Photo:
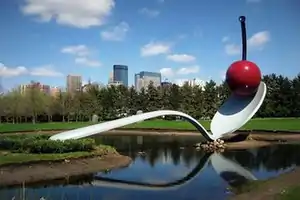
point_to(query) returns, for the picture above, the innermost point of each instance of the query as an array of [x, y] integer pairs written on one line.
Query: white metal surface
[[232, 115], [237, 111]]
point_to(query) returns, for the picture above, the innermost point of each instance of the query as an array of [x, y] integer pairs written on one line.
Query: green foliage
[[291, 193], [41, 144]]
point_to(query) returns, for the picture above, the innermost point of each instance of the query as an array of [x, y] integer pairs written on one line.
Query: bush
[[41, 144]]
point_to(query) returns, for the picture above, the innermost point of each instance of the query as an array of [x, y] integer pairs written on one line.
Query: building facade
[[74, 83], [120, 74], [143, 79], [55, 91], [35, 85]]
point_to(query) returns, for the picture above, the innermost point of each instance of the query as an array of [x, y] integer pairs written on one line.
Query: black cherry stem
[[244, 37]]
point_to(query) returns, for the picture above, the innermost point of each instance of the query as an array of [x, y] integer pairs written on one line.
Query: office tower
[[111, 78], [143, 79], [55, 91], [120, 74], [34, 85], [74, 83]]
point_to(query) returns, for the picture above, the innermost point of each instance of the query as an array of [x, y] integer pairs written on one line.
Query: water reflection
[[166, 164]]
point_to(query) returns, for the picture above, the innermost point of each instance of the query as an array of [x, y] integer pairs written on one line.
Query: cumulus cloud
[[178, 76], [155, 48], [181, 58], [12, 71], [232, 49], [149, 12], [78, 50], [87, 62], [169, 72], [117, 33], [79, 13], [256, 42], [225, 39], [82, 54], [46, 70], [188, 70]]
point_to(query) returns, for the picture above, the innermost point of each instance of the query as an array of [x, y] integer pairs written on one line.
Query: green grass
[[7, 157], [250, 186], [280, 124], [292, 193]]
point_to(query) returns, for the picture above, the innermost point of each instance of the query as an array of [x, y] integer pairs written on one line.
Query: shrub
[[41, 144]]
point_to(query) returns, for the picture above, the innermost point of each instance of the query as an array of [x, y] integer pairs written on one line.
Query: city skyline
[[146, 36]]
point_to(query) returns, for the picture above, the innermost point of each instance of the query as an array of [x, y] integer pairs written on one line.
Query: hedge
[[41, 144]]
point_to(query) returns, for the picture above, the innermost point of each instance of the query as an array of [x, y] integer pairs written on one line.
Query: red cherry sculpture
[[243, 77]]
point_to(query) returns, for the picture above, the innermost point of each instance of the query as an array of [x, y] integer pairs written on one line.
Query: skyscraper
[[120, 74], [74, 83], [143, 79], [111, 77]]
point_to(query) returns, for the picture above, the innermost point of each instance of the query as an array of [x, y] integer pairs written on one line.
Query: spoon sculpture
[[248, 93]]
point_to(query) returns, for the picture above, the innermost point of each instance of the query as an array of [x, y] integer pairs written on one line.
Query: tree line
[[282, 100]]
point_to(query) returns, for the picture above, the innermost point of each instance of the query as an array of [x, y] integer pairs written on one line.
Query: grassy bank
[[21, 149], [278, 124], [284, 187], [291, 193], [285, 193]]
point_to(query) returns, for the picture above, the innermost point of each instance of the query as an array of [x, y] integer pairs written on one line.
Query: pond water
[[166, 167]]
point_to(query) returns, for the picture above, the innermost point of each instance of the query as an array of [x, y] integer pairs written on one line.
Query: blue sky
[[44, 40]]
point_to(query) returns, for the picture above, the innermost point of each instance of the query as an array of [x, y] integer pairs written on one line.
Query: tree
[[282, 100]]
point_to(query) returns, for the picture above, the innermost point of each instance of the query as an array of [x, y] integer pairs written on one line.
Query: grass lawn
[[7, 157], [292, 193], [291, 124]]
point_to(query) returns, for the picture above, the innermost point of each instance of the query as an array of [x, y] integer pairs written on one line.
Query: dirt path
[[271, 188], [15, 175]]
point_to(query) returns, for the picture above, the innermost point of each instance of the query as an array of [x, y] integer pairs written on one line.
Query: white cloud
[[188, 70], [46, 70], [155, 48], [82, 54], [225, 39], [117, 33], [256, 42], [183, 58], [78, 50], [149, 12], [87, 62], [167, 72], [12, 71], [76, 13], [232, 49]]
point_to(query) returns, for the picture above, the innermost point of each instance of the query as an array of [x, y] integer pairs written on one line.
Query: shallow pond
[[166, 167]]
